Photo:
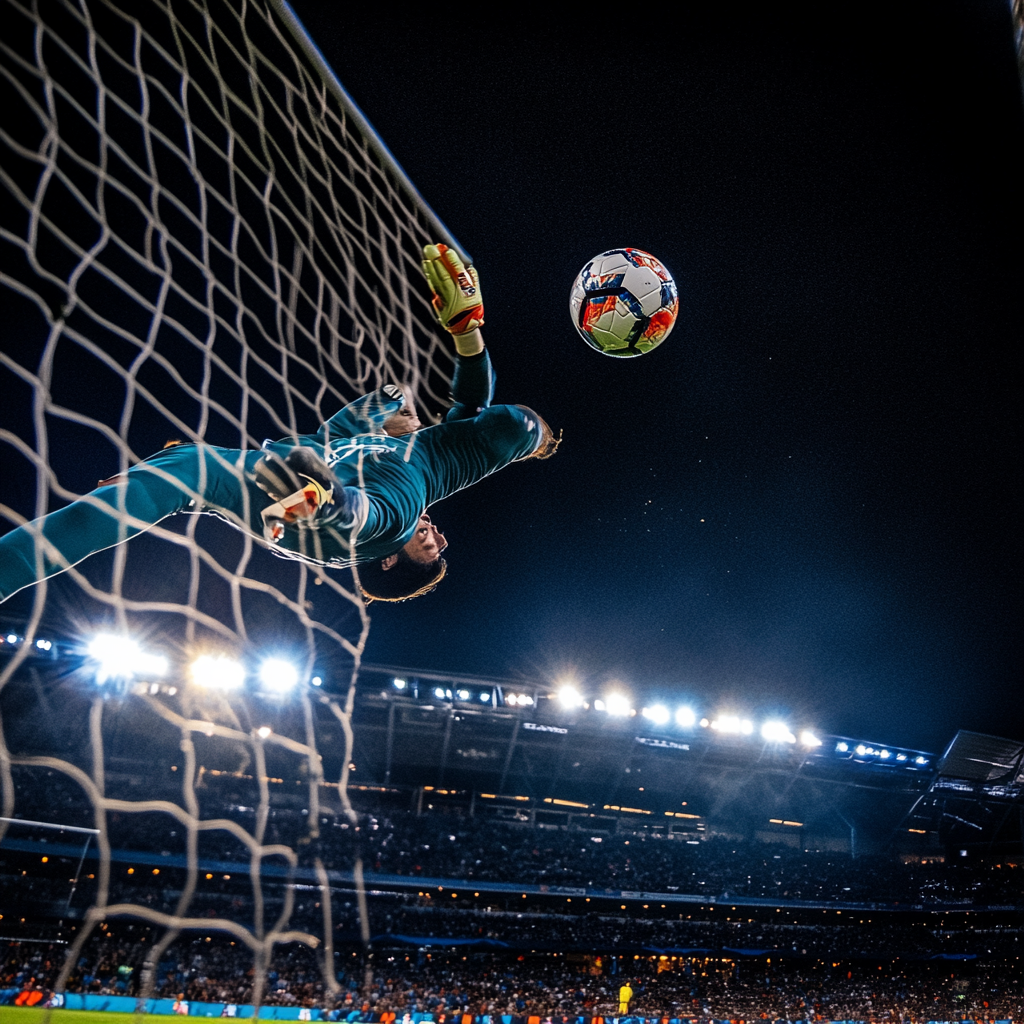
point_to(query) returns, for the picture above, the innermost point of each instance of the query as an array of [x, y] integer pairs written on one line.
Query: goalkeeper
[[355, 492]]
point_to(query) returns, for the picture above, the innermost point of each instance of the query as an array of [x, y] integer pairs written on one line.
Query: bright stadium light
[[399, 684], [217, 672], [618, 706], [44, 645], [808, 739], [861, 749], [884, 753], [462, 694], [685, 718], [777, 732], [121, 658], [569, 696], [731, 724], [264, 731], [842, 747], [279, 675], [439, 692], [920, 760], [317, 681], [485, 698], [599, 705], [658, 714], [522, 700]]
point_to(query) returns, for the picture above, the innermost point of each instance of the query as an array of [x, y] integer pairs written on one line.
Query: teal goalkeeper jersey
[[386, 484]]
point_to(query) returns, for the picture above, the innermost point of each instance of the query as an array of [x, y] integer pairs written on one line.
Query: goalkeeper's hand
[[456, 289]]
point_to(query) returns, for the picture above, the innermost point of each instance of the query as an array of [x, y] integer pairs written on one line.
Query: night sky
[[807, 500]]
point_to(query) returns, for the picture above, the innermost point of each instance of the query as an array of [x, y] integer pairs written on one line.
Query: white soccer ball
[[624, 302]]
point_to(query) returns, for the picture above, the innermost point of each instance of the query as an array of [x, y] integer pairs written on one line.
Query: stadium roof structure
[[517, 750], [547, 755]]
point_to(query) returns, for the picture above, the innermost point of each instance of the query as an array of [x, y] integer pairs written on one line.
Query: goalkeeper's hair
[[405, 580]]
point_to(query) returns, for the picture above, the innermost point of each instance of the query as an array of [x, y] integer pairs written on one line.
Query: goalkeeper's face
[[427, 542]]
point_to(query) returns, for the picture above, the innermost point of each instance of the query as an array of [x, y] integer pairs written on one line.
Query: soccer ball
[[624, 302]]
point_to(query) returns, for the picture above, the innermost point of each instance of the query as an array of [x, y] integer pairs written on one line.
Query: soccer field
[[34, 1014]]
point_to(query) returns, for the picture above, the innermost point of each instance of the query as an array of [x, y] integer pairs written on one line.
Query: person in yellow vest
[[625, 994]]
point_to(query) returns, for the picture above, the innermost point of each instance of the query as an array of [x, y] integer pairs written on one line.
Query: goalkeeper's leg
[[176, 479]]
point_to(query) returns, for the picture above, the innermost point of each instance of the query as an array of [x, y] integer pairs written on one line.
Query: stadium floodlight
[[658, 714], [884, 753], [264, 731], [462, 694], [920, 760], [842, 747], [733, 725], [439, 692], [599, 705], [569, 696], [485, 698], [217, 672], [523, 700], [777, 732], [12, 638], [861, 749], [808, 739], [399, 684], [618, 706], [279, 675], [685, 718], [44, 645], [118, 657], [317, 680]]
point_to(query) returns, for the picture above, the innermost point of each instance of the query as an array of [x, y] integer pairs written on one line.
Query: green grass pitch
[[34, 1014]]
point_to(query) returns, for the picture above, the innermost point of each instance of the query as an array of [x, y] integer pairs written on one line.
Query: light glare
[[808, 739], [618, 706], [217, 672], [121, 658], [733, 725], [569, 696], [658, 714], [685, 717], [279, 675], [777, 732]]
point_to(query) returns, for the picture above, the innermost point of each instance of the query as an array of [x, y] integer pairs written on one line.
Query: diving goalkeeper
[[355, 492]]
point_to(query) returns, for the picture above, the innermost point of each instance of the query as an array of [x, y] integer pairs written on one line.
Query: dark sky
[[807, 500]]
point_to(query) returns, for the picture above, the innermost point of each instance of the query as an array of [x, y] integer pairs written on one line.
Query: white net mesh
[[202, 241]]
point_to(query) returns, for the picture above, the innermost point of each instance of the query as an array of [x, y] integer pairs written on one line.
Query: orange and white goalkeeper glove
[[456, 289]]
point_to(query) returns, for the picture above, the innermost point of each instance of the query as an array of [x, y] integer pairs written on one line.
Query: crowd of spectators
[[484, 850], [552, 985], [481, 849]]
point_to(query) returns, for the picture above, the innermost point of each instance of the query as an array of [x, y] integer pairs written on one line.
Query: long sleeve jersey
[[386, 484]]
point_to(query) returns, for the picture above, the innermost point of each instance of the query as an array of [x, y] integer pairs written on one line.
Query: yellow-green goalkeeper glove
[[456, 289]]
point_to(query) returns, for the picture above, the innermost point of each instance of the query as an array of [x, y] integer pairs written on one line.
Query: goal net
[[202, 241]]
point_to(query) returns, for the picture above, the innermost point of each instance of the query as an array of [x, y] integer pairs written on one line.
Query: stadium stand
[[536, 897]]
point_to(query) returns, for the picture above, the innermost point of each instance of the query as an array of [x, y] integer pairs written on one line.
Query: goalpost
[[202, 240]]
